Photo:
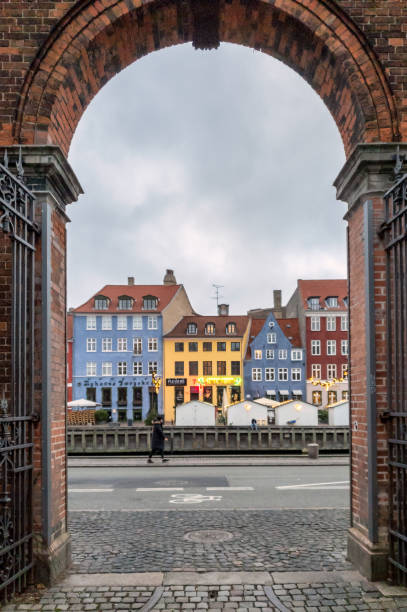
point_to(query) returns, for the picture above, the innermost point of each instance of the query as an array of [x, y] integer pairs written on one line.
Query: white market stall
[[243, 412], [195, 413], [338, 413], [296, 412]]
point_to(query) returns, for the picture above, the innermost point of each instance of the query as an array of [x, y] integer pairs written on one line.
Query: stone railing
[[111, 440]]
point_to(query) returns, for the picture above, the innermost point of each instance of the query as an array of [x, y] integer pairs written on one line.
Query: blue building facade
[[274, 365]]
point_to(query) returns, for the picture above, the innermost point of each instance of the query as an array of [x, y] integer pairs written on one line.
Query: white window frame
[[331, 371], [282, 353], [315, 323], [138, 342], [316, 370], [269, 353], [91, 322], [296, 374], [344, 322], [269, 374], [272, 338], [137, 322], [331, 347], [91, 345], [107, 345], [152, 345], [121, 322], [152, 367], [344, 347], [334, 299], [107, 368], [121, 345], [345, 368], [91, 368], [315, 347], [137, 368], [152, 322], [106, 321], [296, 355], [283, 374], [256, 374], [330, 323], [258, 354], [122, 368]]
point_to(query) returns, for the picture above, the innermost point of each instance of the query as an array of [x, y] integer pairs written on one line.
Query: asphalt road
[[207, 488]]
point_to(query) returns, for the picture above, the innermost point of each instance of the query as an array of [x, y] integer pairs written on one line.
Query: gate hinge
[[383, 227], [385, 416]]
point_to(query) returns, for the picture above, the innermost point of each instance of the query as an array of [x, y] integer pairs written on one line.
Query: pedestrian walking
[[253, 425], [157, 440]]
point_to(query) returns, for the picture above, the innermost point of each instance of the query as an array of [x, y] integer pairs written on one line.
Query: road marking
[[147, 489], [229, 488], [320, 485], [90, 490], [193, 498]]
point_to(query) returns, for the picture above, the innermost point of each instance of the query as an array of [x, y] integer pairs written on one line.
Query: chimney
[[277, 298], [130, 280], [169, 278], [223, 309]]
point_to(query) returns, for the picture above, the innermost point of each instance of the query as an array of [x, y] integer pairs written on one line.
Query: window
[[331, 347], [221, 368], [137, 368], [122, 344], [315, 323], [270, 354], [272, 338], [316, 370], [331, 324], [231, 329], [91, 368], [235, 368], [122, 396], [121, 368], [344, 370], [125, 303], [192, 329], [152, 367], [193, 368], [345, 394], [296, 374], [91, 322], [207, 346], [153, 344], [282, 354], [149, 302], [137, 396], [313, 302], [179, 347], [137, 346], [179, 368], [101, 303], [106, 322], [152, 322], [258, 354], [235, 346], [91, 345], [282, 373], [315, 347], [207, 368], [331, 370], [107, 368], [332, 302], [107, 345], [221, 346], [121, 322], [137, 322], [344, 323], [210, 329], [332, 397], [256, 374], [192, 347], [91, 394], [344, 347], [317, 398], [269, 374], [296, 355], [345, 301], [106, 396]]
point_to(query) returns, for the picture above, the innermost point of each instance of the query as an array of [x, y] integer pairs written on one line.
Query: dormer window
[[313, 303], [101, 302], [125, 302], [231, 329], [345, 301], [192, 329], [150, 302], [332, 302], [210, 329]]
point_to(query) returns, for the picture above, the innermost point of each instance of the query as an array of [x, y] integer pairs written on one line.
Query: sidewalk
[[209, 460], [232, 591]]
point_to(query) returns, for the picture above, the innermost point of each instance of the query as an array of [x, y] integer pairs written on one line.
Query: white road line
[[229, 488], [323, 485], [148, 489], [90, 490]]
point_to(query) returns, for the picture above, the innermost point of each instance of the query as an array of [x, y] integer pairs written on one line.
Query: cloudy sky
[[216, 164]]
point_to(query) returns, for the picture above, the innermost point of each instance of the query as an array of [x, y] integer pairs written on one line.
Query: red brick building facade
[[55, 56]]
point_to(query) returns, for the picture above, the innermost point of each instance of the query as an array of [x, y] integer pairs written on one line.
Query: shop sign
[[220, 380], [175, 382]]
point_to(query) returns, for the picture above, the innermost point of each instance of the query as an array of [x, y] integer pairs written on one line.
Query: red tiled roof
[[291, 330], [164, 293], [324, 289], [220, 321]]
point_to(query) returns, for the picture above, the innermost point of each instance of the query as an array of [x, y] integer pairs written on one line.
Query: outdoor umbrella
[[82, 403]]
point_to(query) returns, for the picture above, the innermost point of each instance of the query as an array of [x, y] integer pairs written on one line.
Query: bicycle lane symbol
[[193, 498]]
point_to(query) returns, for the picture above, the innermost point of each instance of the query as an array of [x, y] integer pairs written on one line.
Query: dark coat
[[157, 441]]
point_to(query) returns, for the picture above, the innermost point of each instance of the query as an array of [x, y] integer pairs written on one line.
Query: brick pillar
[[365, 178], [48, 174]]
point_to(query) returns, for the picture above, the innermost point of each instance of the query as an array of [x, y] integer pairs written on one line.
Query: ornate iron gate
[[16, 374], [394, 231]]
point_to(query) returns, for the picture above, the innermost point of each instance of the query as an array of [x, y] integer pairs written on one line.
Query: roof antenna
[[217, 294]]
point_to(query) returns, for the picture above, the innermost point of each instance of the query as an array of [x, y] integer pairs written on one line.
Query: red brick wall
[[323, 335]]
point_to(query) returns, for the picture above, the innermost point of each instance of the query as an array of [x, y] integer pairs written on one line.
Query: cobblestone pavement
[[301, 597], [272, 540]]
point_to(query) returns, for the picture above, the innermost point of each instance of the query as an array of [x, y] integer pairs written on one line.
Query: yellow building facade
[[203, 360]]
